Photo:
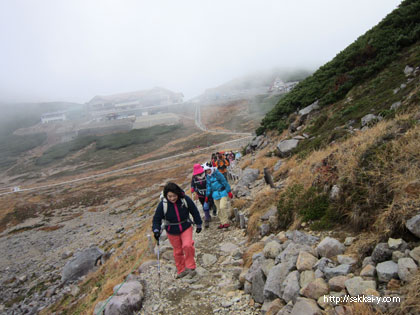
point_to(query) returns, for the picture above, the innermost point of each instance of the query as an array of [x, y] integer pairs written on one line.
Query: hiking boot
[[206, 224], [191, 273], [221, 226], [225, 226], [182, 274]]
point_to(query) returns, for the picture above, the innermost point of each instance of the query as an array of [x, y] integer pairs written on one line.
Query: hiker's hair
[[173, 188]]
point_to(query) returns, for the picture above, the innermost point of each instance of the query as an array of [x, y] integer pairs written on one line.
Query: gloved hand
[[198, 230], [206, 199], [156, 233], [206, 206], [230, 194]]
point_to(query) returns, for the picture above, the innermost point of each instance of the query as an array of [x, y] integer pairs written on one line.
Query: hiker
[[175, 209], [222, 164], [219, 188], [198, 188]]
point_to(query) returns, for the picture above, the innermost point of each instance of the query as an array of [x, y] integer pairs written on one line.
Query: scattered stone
[[127, 300], [291, 287], [330, 247], [369, 119], [274, 307], [368, 261], [381, 253], [301, 237], [413, 225], [209, 260], [305, 261], [264, 229], [408, 70], [306, 306], [407, 268], [285, 147], [272, 249], [345, 259], [337, 283], [270, 212], [335, 192], [415, 254], [386, 271], [395, 105], [368, 271], [306, 277], [397, 255], [394, 244], [340, 270], [357, 286], [315, 289]]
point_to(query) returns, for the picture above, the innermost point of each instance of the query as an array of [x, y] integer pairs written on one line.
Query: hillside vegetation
[[362, 60]]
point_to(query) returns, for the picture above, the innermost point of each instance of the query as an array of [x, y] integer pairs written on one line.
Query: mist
[[73, 50]]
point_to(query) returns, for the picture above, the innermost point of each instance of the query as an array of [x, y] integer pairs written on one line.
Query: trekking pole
[[158, 254]]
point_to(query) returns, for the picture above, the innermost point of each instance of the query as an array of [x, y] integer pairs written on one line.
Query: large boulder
[[248, 177], [309, 108], [285, 147], [127, 300], [272, 249], [301, 237], [81, 264], [305, 261], [291, 252], [315, 289], [257, 286], [386, 271], [341, 270], [291, 287], [273, 286], [330, 247], [414, 225]]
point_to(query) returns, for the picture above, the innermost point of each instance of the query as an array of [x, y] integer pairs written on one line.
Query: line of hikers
[[209, 185]]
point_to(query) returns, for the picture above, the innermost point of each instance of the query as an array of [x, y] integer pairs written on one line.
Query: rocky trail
[[215, 288]]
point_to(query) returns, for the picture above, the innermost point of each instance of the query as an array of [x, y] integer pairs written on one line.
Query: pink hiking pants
[[184, 250]]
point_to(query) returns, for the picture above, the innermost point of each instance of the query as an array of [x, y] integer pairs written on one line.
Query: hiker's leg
[[176, 243], [206, 213], [217, 204], [188, 248], [223, 210]]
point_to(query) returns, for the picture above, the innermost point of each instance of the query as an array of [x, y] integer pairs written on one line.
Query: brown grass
[[250, 251], [411, 301], [239, 203], [264, 199], [51, 228], [360, 309]]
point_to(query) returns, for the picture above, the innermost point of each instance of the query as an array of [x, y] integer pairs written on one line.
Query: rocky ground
[[34, 253]]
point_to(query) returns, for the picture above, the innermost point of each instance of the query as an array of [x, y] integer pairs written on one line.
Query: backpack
[[165, 210]]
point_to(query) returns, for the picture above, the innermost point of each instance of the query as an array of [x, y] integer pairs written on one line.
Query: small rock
[[305, 261], [407, 268], [349, 240], [357, 286], [386, 271], [368, 261], [368, 271], [306, 306], [315, 289], [381, 253], [394, 243], [272, 249], [413, 225], [415, 254], [306, 277], [397, 255], [340, 270], [337, 283], [345, 259]]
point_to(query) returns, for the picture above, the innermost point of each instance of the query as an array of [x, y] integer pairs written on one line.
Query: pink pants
[[184, 250]]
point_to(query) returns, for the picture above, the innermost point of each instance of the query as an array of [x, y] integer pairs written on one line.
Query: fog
[[73, 50]]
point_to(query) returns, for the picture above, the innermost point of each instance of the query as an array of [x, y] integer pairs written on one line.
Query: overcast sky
[[72, 50]]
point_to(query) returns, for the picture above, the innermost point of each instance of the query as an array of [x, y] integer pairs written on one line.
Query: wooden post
[[242, 223], [237, 219]]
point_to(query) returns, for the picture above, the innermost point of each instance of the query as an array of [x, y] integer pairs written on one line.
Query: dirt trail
[[215, 287]]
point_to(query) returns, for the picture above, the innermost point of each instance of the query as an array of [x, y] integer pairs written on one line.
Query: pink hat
[[198, 169]]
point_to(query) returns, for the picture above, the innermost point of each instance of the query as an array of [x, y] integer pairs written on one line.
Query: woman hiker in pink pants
[[175, 210]]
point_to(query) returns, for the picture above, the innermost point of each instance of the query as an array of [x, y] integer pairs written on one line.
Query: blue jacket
[[217, 185], [176, 213]]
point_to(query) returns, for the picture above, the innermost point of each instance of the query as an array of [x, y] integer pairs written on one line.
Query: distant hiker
[[219, 188], [175, 209], [198, 188], [222, 164], [214, 159]]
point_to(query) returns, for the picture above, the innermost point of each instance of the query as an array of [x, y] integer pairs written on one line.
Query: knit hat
[[198, 169]]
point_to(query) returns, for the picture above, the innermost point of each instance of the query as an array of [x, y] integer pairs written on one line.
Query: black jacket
[[172, 216]]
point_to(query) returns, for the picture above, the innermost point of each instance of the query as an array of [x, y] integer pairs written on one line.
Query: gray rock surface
[[310, 108], [341, 270], [276, 276], [330, 247], [407, 268], [81, 264], [413, 225], [286, 146], [248, 177], [306, 306], [291, 287], [357, 286], [381, 253], [386, 271]]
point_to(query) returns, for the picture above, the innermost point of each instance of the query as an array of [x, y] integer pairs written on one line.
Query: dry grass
[[239, 203], [411, 302], [262, 202], [360, 309], [51, 228], [250, 251]]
